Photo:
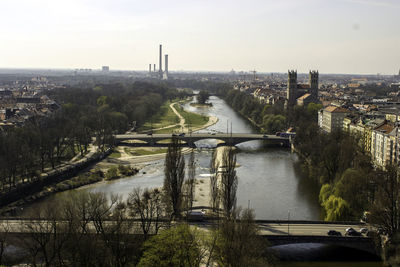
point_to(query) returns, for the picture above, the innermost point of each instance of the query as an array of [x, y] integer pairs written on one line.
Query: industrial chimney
[[166, 64], [160, 70], [149, 68]]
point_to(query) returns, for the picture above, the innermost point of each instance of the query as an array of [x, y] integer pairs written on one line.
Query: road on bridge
[[308, 229], [190, 139], [304, 229]]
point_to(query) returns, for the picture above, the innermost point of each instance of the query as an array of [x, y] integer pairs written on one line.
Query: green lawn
[[115, 155], [164, 118], [143, 152], [174, 129], [167, 117], [194, 119]]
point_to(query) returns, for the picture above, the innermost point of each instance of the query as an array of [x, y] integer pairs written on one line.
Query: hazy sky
[[334, 36]]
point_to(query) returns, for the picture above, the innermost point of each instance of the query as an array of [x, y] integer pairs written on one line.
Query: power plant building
[[160, 73]]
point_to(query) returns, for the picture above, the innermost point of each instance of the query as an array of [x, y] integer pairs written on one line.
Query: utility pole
[[288, 218]]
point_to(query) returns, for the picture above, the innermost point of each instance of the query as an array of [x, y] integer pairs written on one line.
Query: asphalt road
[[16, 226], [198, 135]]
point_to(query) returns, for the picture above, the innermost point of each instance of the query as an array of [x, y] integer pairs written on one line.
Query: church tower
[[313, 80], [291, 93]]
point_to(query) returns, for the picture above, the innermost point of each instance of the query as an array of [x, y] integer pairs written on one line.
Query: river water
[[270, 182]]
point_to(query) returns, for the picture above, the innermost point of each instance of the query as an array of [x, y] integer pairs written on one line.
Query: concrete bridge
[[277, 232], [189, 140]]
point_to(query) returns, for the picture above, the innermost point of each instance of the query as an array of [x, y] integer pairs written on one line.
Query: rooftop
[[334, 109]]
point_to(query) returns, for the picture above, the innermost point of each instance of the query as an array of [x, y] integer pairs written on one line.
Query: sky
[[332, 36]]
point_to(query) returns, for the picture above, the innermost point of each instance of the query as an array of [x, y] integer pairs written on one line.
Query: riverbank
[[197, 105], [128, 158], [96, 173], [51, 183]]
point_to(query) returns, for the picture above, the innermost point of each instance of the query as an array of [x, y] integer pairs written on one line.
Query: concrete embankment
[[29, 192]]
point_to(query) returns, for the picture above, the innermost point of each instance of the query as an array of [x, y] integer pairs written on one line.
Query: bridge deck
[[190, 139]]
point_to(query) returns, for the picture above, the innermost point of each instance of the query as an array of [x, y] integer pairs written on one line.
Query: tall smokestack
[[166, 64], [160, 59], [154, 67], [149, 67]]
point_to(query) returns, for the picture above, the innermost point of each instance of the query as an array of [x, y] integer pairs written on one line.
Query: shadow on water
[[313, 252]]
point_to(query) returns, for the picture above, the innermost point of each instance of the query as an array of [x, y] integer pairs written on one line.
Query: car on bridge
[[351, 232], [182, 134], [196, 216], [334, 233]]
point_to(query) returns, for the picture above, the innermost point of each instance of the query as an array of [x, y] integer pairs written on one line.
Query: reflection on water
[[269, 181], [320, 252], [268, 178]]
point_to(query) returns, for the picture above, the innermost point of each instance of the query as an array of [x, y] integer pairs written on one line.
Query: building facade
[[301, 94], [332, 118]]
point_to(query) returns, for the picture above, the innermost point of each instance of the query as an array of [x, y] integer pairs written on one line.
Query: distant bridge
[[162, 140]]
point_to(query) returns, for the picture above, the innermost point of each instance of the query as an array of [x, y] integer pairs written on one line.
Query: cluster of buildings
[[376, 128], [367, 107], [20, 101]]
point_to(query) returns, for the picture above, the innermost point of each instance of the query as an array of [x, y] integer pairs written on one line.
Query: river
[[269, 182]]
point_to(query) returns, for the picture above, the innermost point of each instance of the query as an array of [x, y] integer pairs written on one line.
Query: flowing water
[[269, 182]]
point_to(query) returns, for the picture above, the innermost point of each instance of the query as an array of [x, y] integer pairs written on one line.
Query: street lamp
[[288, 218]]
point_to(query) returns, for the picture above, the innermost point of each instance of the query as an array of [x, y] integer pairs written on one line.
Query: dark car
[[334, 233], [182, 134], [265, 136], [352, 232]]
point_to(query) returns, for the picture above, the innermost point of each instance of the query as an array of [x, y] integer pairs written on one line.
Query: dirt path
[[129, 159], [181, 118]]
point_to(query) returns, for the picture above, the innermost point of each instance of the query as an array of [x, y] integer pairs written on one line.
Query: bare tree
[[190, 182], [229, 182], [174, 176], [214, 190], [46, 239], [385, 210], [4, 231], [238, 243], [147, 205], [84, 248]]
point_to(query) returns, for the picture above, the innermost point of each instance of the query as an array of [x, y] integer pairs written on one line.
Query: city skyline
[[342, 36]]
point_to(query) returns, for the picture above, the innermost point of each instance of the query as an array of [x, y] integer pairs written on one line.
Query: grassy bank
[[144, 151], [168, 130], [162, 119], [194, 119], [115, 154]]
